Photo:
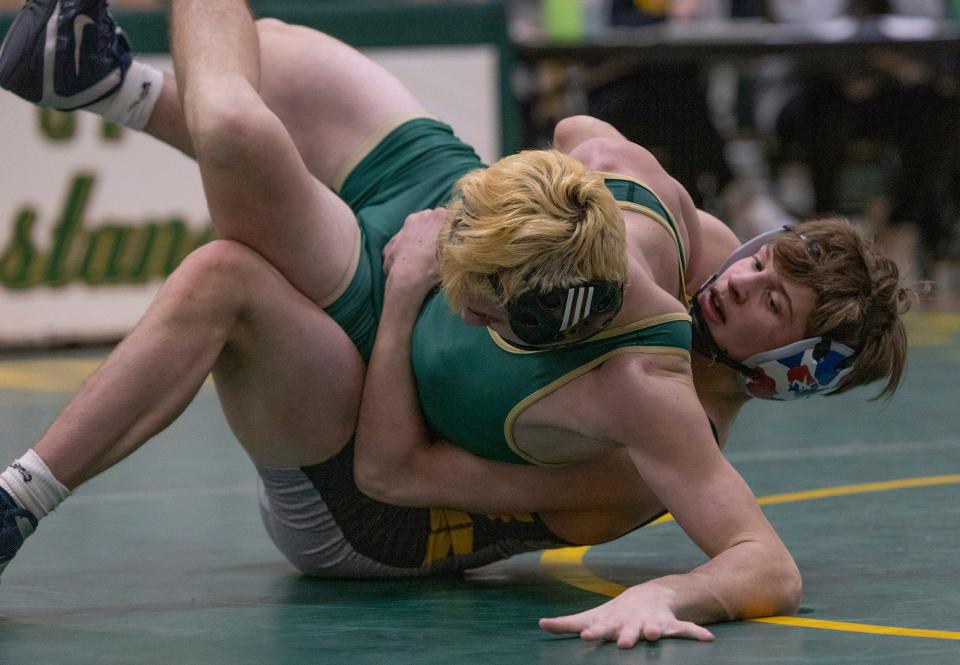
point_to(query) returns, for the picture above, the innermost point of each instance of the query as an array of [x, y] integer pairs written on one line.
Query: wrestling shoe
[[16, 524], [66, 54]]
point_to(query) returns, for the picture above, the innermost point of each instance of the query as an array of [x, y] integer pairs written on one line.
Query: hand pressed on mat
[[640, 613]]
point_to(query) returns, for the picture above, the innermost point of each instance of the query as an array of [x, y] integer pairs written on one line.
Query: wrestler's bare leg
[[331, 99], [290, 377], [260, 194]]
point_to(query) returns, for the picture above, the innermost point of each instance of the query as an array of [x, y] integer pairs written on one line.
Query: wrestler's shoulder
[[632, 375]]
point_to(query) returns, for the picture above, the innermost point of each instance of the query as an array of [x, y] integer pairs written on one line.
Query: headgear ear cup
[[801, 369], [564, 314]]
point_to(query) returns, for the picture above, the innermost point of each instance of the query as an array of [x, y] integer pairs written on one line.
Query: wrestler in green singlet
[[472, 384]]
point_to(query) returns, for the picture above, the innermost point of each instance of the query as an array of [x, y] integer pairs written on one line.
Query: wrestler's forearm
[[398, 461], [750, 571], [748, 580], [391, 429]]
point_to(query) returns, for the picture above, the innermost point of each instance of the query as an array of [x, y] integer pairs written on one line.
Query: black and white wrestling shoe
[[65, 54], [16, 524]]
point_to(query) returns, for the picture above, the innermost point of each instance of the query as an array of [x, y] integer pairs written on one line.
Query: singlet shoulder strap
[[632, 194]]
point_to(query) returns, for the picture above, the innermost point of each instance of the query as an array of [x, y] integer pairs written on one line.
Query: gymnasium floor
[[164, 559]]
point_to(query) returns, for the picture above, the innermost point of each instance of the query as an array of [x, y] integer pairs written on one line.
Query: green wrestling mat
[[164, 559]]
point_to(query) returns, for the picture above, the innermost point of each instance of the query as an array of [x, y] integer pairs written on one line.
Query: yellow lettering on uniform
[[451, 532]]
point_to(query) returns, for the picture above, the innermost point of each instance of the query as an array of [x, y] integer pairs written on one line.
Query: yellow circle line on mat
[[50, 376], [567, 565], [845, 490]]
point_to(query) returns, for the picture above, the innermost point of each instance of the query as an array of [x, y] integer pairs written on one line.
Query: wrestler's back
[[560, 424], [569, 422]]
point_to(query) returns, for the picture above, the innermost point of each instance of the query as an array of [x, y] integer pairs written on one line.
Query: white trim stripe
[[566, 311], [579, 312], [586, 308]]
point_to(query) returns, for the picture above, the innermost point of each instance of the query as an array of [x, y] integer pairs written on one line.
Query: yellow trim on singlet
[[673, 231], [640, 324], [564, 380], [371, 142], [645, 322], [347, 275], [507, 346], [673, 218]]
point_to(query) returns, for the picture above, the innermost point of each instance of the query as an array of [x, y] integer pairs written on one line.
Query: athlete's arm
[[397, 459], [750, 572]]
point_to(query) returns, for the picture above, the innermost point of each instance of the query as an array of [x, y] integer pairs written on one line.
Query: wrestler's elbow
[[783, 584], [791, 586], [369, 475], [576, 129], [386, 481], [572, 131]]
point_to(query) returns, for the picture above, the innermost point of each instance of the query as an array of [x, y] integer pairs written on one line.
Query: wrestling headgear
[[565, 314], [801, 369]]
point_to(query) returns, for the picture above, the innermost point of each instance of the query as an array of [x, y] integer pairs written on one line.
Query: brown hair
[[535, 220], [859, 297]]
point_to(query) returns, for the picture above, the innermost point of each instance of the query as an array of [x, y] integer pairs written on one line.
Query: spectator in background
[[880, 140], [871, 138], [663, 105]]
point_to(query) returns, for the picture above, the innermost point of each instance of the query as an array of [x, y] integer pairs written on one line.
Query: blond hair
[[859, 297], [537, 220]]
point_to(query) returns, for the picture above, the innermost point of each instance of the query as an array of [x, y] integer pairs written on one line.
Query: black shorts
[[326, 526]]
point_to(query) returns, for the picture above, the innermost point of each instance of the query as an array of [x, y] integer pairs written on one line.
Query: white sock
[[132, 103], [32, 486]]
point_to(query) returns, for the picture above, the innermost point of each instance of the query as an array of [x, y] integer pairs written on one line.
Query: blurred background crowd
[[774, 110], [745, 104]]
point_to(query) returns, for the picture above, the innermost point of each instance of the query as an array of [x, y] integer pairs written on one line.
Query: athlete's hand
[[410, 258], [639, 613]]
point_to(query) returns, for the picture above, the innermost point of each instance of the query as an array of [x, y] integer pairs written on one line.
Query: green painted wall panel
[[374, 23]]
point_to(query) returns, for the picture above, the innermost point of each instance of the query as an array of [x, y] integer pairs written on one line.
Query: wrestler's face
[[478, 311], [751, 308]]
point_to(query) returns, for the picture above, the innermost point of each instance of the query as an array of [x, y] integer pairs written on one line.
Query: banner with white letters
[[93, 217]]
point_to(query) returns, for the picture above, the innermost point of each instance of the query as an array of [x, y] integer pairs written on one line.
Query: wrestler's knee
[[219, 276]]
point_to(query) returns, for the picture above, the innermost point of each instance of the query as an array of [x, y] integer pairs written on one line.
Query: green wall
[[375, 23]]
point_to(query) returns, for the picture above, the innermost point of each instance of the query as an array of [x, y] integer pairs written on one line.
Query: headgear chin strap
[[808, 367], [564, 315]]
